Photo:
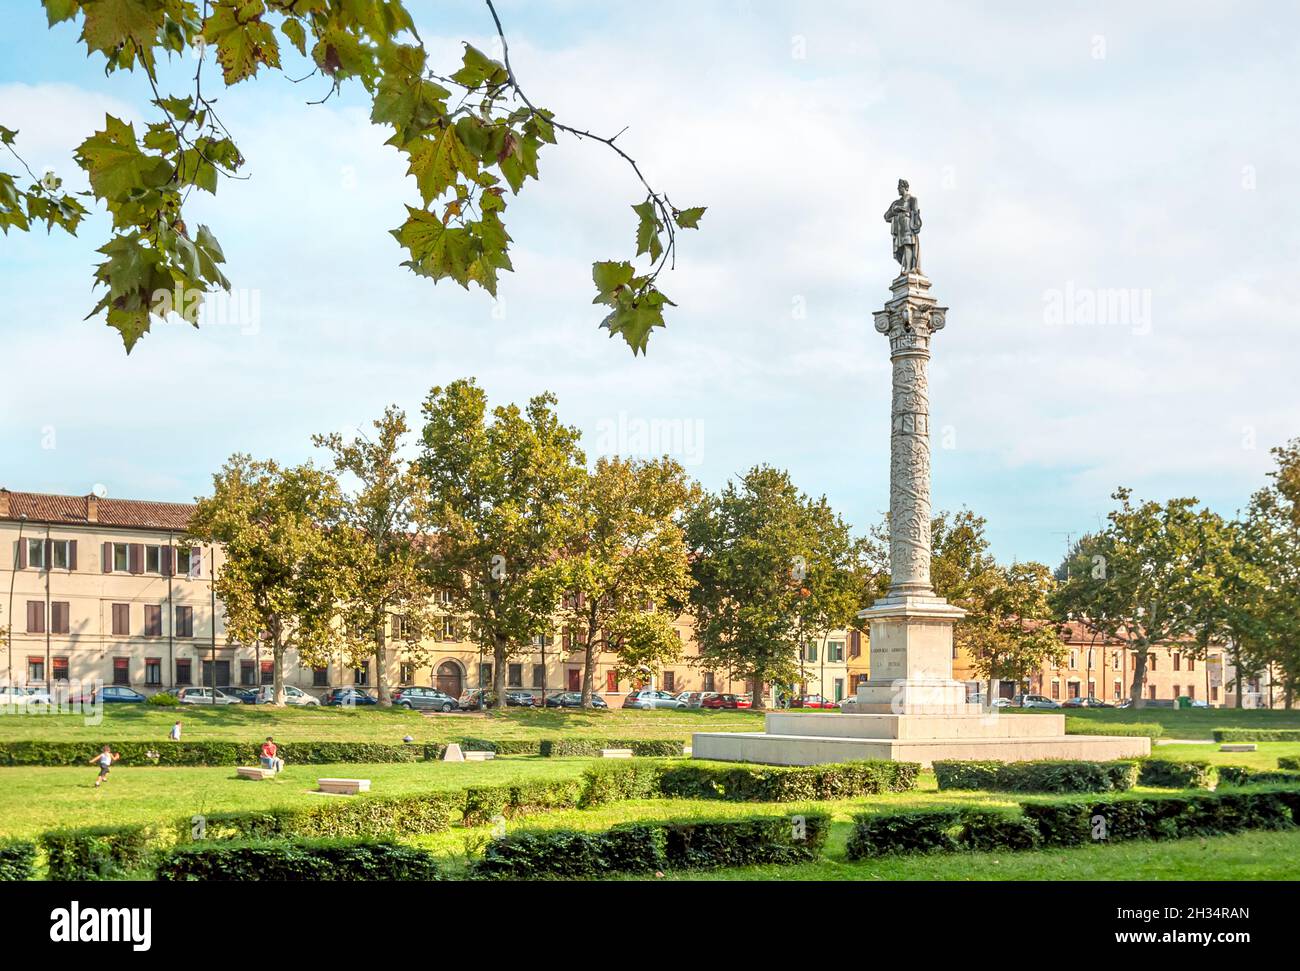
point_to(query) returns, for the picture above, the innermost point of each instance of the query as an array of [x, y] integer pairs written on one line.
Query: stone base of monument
[[814, 739]]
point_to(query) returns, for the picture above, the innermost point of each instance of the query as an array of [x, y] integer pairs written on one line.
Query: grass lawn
[[124, 723], [1184, 722], [36, 799]]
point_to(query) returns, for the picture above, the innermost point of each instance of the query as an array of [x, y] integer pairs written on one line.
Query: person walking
[[105, 760], [175, 733]]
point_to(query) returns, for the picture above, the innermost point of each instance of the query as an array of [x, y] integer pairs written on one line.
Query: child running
[[105, 759]]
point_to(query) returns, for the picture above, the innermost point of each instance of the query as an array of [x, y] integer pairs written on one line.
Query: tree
[[281, 578], [1139, 579], [751, 546], [467, 136], [501, 504], [626, 563], [384, 582], [1015, 634]]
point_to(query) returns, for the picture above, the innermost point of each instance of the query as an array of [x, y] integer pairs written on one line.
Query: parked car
[[347, 698], [520, 699], [196, 696], [423, 699], [647, 698], [246, 696], [813, 701], [292, 696], [476, 699], [1033, 701], [17, 696], [715, 702], [693, 699], [573, 699], [1086, 703]]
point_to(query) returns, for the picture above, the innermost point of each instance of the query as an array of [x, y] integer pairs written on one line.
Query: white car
[[205, 696], [292, 696], [16, 696]]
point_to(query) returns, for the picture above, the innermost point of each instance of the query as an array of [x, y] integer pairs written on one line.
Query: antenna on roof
[[99, 490]]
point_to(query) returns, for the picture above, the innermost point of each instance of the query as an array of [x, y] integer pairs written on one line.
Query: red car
[[726, 701], [813, 701]]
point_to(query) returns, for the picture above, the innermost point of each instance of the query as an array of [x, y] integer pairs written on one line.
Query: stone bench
[[616, 753], [343, 787], [1239, 747], [254, 772], [479, 756]]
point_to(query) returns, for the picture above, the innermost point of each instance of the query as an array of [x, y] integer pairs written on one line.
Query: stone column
[[911, 628]]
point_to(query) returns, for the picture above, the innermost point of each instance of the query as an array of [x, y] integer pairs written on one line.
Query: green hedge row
[[1057, 776], [1289, 762], [749, 783], [1170, 774], [1091, 726], [372, 816], [1072, 822], [569, 747], [98, 852], [1257, 734], [298, 860], [648, 847], [204, 753], [1240, 775], [483, 803], [17, 860]]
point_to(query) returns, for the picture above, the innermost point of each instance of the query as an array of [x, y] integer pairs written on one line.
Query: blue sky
[[1144, 158]]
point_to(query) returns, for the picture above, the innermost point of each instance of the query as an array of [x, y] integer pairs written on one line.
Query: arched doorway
[[449, 679]]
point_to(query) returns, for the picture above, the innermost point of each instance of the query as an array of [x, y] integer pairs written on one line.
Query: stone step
[[984, 725]]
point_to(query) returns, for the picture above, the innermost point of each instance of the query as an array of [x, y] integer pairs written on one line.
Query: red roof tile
[[75, 511]]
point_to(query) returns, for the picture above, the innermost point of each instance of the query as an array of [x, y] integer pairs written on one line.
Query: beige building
[[103, 590]]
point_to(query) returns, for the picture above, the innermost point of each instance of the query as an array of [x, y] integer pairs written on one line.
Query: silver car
[[646, 699]]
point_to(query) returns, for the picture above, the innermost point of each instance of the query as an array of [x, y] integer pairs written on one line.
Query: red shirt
[[268, 749]]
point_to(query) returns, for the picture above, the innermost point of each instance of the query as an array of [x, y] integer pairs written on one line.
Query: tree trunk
[[500, 651], [277, 672], [1139, 674], [588, 665], [756, 699], [381, 667]]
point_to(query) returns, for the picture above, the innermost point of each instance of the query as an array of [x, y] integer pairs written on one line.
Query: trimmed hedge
[[1090, 726], [299, 860], [1168, 774], [378, 816], [482, 803], [615, 781], [1055, 775], [1075, 822], [1257, 734], [574, 747], [1240, 775], [1289, 762], [98, 853], [646, 847], [17, 860], [204, 753], [1163, 817], [749, 783]]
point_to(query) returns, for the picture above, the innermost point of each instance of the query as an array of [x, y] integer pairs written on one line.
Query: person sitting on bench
[[269, 758]]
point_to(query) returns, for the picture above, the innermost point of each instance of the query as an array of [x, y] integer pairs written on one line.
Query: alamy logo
[[74, 925]]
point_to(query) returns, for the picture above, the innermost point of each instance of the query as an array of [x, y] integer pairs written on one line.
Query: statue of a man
[[904, 218]]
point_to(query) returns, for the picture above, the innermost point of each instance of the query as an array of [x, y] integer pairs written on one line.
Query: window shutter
[[35, 617], [20, 554], [107, 558], [168, 557], [135, 557], [72, 554], [196, 562]]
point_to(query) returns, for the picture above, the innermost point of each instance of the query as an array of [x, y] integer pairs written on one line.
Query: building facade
[[106, 591]]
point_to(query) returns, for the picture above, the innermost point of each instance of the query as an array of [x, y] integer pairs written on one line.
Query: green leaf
[[244, 43], [647, 230], [297, 36], [690, 218], [57, 11], [479, 70], [116, 166], [610, 277]]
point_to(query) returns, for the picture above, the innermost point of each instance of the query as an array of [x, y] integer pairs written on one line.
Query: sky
[[1111, 205]]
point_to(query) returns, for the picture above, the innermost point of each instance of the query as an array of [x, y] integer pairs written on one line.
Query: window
[[670, 680], [153, 671], [320, 677], [60, 668], [444, 596], [121, 620], [1191, 664], [268, 672], [835, 651], [184, 622], [708, 681], [1151, 662], [1074, 689], [855, 644], [515, 676], [1214, 692], [406, 672], [611, 680], [1191, 691], [361, 675], [539, 675], [62, 554], [1074, 660], [1119, 690], [183, 671], [59, 619], [35, 669], [1177, 693], [121, 558], [485, 674], [183, 559], [1151, 693], [35, 617], [36, 554], [1056, 689], [121, 670], [1178, 661], [1092, 689], [449, 628], [810, 652], [153, 559], [1114, 660], [247, 674]]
